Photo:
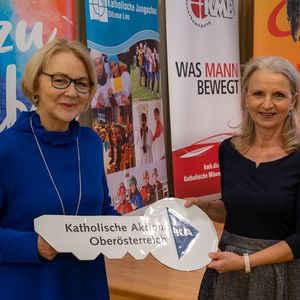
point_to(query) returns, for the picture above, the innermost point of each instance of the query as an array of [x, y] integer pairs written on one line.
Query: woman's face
[[132, 188], [99, 66], [269, 99], [114, 137], [114, 69], [58, 107], [146, 179], [156, 116], [103, 135], [122, 196]]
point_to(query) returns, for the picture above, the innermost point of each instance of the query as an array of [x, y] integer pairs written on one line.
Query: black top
[[261, 202]]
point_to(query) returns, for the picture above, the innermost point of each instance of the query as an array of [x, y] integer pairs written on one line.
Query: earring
[[36, 99]]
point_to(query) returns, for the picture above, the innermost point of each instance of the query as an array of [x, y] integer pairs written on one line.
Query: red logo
[[272, 22], [202, 12], [197, 7]]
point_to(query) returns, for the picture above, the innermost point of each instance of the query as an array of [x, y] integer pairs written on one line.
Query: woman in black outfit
[[260, 179]]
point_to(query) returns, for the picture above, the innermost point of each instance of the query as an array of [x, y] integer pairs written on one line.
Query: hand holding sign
[[178, 237]]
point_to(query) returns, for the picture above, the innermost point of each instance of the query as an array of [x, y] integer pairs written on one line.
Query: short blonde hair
[[289, 134], [39, 60]]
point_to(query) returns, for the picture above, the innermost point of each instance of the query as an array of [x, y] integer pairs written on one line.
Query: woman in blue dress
[[51, 165]]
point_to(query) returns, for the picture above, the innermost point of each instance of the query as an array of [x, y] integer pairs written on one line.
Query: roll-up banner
[[204, 90], [127, 110], [276, 29], [26, 26]]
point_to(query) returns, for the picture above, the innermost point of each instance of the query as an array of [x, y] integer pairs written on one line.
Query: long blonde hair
[[289, 135]]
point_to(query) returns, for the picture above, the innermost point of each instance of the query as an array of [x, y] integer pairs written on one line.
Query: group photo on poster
[[148, 132], [127, 116], [122, 79], [112, 111], [146, 80], [138, 187], [127, 110]]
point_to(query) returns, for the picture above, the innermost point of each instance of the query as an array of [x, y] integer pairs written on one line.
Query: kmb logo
[[201, 9], [198, 8]]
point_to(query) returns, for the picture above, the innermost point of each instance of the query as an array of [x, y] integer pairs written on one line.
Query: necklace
[[50, 175]]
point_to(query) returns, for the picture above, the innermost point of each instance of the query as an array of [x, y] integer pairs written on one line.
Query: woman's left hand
[[45, 250], [226, 261]]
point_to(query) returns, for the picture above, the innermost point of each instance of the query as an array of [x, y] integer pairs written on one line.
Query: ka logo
[[184, 234], [98, 10]]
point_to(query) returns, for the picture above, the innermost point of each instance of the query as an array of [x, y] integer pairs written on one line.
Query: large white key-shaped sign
[[178, 237]]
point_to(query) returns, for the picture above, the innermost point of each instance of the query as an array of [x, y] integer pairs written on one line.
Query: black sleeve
[[294, 240], [221, 163]]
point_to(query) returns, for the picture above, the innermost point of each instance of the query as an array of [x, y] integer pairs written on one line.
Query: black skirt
[[268, 282]]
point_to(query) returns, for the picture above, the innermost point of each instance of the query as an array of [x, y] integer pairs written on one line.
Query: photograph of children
[[148, 131], [101, 100], [123, 206], [103, 134], [157, 186], [144, 140], [112, 110], [139, 187], [158, 141], [113, 98], [119, 92], [145, 70], [147, 190], [135, 197], [118, 146]]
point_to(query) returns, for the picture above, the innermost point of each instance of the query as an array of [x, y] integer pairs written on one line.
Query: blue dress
[[26, 192], [137, 200]]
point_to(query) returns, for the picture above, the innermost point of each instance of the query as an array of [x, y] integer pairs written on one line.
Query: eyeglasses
[[61, 81]]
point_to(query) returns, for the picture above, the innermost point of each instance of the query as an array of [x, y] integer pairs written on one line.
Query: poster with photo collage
[[127, 109]]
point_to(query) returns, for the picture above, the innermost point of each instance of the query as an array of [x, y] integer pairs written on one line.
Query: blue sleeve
[[16, 246], [294, 240]]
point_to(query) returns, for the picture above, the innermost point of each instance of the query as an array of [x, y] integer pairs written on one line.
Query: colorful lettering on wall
[[26, 26], [276, 25]]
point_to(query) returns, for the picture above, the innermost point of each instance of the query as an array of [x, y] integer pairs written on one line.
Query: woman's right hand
[[213, 208], [197, 201], [45, 250]]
